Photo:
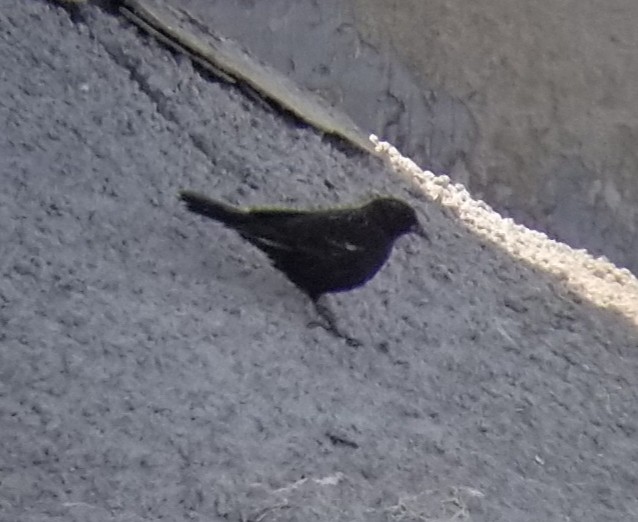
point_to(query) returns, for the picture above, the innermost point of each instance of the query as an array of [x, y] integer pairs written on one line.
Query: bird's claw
[[332, 329]]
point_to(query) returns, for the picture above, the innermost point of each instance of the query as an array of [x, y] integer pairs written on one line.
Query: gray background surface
[[153, 366], [530, 105]]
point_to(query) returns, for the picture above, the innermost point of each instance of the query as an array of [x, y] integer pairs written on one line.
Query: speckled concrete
[[154, 366]]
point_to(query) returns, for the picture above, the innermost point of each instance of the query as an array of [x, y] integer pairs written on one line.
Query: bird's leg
[[326, 313]]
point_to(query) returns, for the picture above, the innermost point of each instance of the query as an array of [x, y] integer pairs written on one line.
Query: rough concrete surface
[[551, 87], [319, 45], [154, 366], [531, 105]]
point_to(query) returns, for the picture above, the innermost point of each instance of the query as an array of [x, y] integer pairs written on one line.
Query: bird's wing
[[321, 252], [311, 233]]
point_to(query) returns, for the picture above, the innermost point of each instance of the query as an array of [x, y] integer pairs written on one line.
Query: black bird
[[320, 251]]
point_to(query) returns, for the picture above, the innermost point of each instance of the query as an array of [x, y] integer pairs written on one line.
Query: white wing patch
[[339, 246], [345, 245], [272, 244]]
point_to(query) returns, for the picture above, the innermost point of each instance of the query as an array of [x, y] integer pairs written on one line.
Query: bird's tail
[[200, 204]]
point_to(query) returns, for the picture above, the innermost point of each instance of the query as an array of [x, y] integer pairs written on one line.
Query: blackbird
[[320, 251]]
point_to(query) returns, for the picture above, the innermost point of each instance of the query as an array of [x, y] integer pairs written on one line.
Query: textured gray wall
[[153, 366], [531, 106]]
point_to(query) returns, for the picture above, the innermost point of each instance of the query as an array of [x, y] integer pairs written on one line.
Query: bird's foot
[[350, 341], [330, 323]]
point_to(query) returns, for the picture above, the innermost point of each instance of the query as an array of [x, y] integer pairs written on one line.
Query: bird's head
[[397, 217]]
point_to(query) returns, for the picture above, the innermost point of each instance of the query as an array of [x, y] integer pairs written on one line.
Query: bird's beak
[[419, 230]]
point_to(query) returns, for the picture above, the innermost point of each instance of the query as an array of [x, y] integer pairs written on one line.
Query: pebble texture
[[154, 366]]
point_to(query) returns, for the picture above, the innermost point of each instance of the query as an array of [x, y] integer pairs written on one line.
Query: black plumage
[[320, 251]]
